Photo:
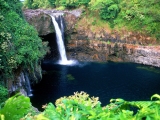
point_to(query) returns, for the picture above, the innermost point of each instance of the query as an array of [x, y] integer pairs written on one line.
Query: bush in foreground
[[82, 107]]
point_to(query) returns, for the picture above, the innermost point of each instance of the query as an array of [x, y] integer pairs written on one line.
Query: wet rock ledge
[[94, 50]]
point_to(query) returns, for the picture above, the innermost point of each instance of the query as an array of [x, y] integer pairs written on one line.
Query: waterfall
[[28, 85], [21, 84], [59, 29], [62, 27]]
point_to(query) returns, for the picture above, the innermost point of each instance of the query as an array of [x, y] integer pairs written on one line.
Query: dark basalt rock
[[97, 51], [40, 20]]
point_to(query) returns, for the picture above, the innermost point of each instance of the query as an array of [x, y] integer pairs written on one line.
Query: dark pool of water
[[104, 80]]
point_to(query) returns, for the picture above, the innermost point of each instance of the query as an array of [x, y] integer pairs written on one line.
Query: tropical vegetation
[[20, 46], [81, 106], [135, 15]]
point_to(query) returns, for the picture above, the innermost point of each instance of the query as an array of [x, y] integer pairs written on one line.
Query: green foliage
[[14, 5], [82, 107], [140, 15], [3, 94], [60, 8], [20, 45], [16, 107], [107, 9], [28, 4], [34, 4], [52, 3], [135, 15], [71, 3], [77, 106]]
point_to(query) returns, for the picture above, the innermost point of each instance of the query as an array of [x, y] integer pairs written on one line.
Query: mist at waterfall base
[[104, 80]]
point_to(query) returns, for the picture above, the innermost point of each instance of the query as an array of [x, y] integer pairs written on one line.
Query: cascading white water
[[62, 27], [59, 35], [59, 40], [28, 85]]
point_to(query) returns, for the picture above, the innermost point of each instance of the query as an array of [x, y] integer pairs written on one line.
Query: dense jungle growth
[[20, 46], [135, 15]]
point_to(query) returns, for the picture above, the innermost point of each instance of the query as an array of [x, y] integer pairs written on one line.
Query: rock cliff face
[[22, 80], [94, 50], [89, 43], [40, 20]]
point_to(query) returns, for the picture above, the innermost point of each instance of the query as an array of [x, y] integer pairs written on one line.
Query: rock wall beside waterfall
[[40, 20], [89, 43], [95, 50], [22, 80], [20, 84]]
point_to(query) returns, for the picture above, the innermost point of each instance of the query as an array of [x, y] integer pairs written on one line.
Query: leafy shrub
[[107, 9], [82, 107], [20, 45], [141, 16], [34, 4], [71, 3], [77, 106], [3, 94], [14, 5], [40, 4], [16, 107]]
